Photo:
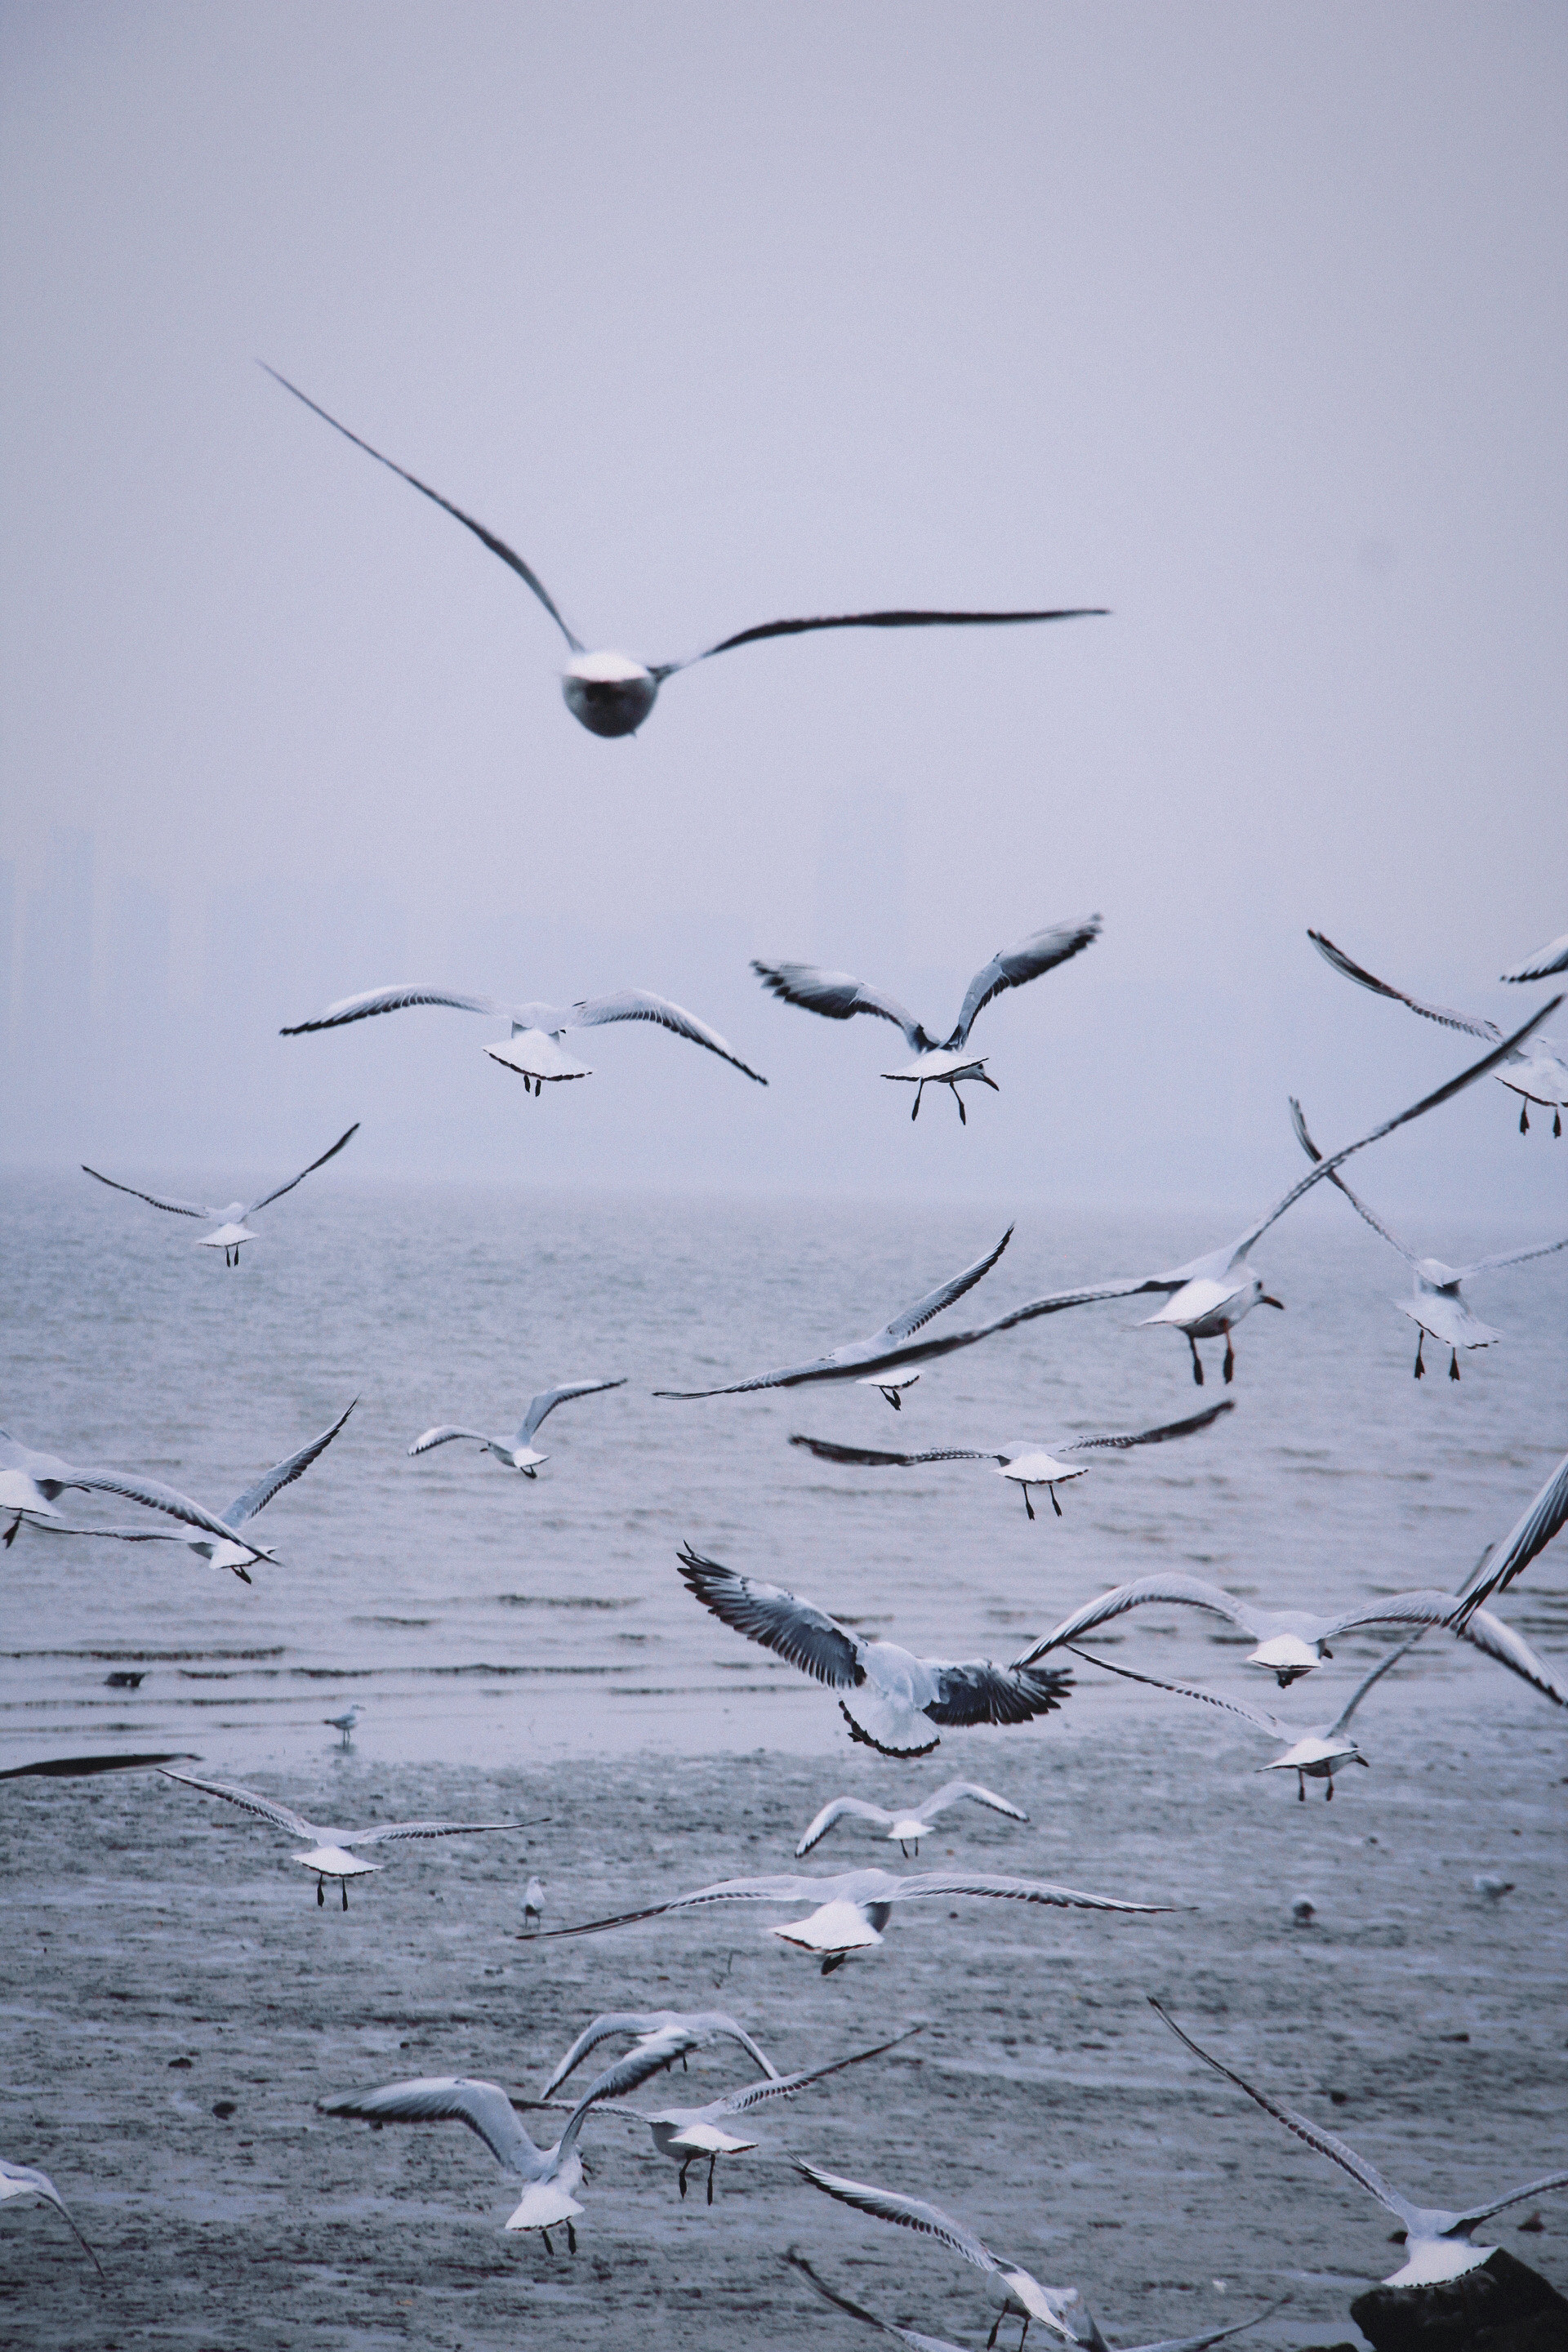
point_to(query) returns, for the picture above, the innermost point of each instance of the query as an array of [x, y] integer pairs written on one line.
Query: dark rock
[[1500, 2306]]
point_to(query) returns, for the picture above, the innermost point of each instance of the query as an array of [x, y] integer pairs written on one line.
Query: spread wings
[[393, 999], [1024, 960], [174, 1208], [283, 1474], [278, 1193], [1170, 1586], [946, 1294], [1471, 1024], [641, 1004], [798, 1630], [250, 1800], [891, 620], [544, 1405], [837, 996], [869, 1458]]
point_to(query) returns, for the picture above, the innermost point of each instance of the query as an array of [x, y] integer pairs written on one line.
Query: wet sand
[[1044, 2102]]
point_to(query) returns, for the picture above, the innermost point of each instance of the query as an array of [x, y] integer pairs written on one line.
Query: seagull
[[29, 1481], [1498, 1568], [687, 2135], [552, 2174], [534, 1903], [1437, 2243], [853, 1907], [1437, 1309], [345, 1724], [673, 2031], [1494, 1889], [1091, 2334], [1011, 2291], [532, 1047], [1539, 1077], [880, 1361], [328, 1855], [244, 1507], [1294, 1642], [1316, 1751], [1027, 1464], [517, 1452], [938, 1061], [612, 694], [1552, 958], [894, 1698], [233, 1229], [19, 2181], [906, 1828], [1211, 1295]]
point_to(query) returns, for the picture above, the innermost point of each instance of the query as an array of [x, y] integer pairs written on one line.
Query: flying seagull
[[1027, 1464], [29, 1482], [1437, 1309], [1539, 1077], [233, 1228], [611, 693], [890, 1698], [518, 1452], [1498, 1568], [1437, 2243], [232, 1555], [1209, 1296], [883, 1360], [330, 1855], [1084, 2330], [551, 2175], [532, 1047], [1315, 1751], [674, 2031], [908, 1828], [22, 2180], [854, 1906], [687, 2135], [1551, 959], [944, 1062]]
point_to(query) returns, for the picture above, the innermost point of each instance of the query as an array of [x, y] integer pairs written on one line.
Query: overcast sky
[[1247, 322]]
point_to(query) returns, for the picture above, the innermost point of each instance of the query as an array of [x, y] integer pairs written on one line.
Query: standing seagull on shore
[[1539, 1077], [517, 1452], [1437, 2242], [29, 1482], [890, 1698], [908, 1828], [1024, 1464], [611, 693], [1437, 1309], [22, 2180], [244, 1507], [532, 1047], [938, 1061], [328, 1855], [233, 1229]]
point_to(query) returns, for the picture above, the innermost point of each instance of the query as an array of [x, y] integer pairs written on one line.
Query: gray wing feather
[[283, 1474], [641, 1004], [1531, 1534], [1552, 958], [869, 1458], [785, 2086], [948, 1883], [174, 1208], [982, 1692], [837, 996], [910, 2335], [1249, 1714], [838, 1810], [904, 1327], [909, 2212], [953, 1792], [1512, 1257], [27, 2178], [1367, 1681], [889, 620], [393, 999], [777, 1888], [399, 1832], [156, 1496], [765, 1613], [1515, 2197], [1303, 1138], [444, 1436], [444, 2098], [1170, 1587], [1470, 1024], [1026, 961], [267, 1199], [250, 1800], [543, 1406], [1192, 1422]]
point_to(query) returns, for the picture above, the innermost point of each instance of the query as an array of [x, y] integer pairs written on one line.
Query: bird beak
[[1266, 1301]]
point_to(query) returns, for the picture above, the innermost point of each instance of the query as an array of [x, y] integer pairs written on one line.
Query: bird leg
[[834, 1960], [343, 1889], [1301, 1788], [1028, 1507], [1026, 2330], [1329, 1791], [1420, 1367], [1454, 1365], [683, 2172], [963, 1114], [570, 2237], [712, 2162], [321, 1892], [684, 2067], [1229, 1357], [903, 1849], [918, 1091], [992, 2337], [1054, 1504], [1524, 1119], [1557, 1122], [1197, 1360], [548, 2247]]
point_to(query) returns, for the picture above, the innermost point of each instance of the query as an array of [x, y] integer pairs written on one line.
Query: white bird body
[[534, 1903], [330, 1850], [1437, 2241], [19, 2181], [518, 1452], [233, 1228], [1024, 1462], [905, 1829]]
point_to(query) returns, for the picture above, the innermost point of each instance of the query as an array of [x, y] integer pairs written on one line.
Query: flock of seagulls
[[892, 1699]]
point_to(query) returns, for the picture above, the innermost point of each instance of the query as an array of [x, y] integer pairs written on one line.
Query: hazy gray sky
[[1250, 323]]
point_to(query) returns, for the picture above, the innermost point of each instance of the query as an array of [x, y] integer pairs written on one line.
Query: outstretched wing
[[641, 1004], [283, 1474], [174, 1208], [155, 1496], [543, 1406], [910, 2335], [1509, 1649], [896, 620], [909, 2212], [1249, 1714], [393, 999], [946, 1883], [26, 2180], [401, 1833], [1366, 1682], [1471, 1024], [444, 2098], [868, 1456], [1534, 1532], [486, 538], [1170, 1586], [784, 2086], [444, 1436], [982, 1692], [1552, 958], [1210, 2335], [778, 1888], [1026, 960], [267, 1200], [1303, 1136], [1510, 1257], [1325, 2142], [954, 1792], [840, 1809], [904, 1327], [1157, 1436], [806, 1636], [250, 1800], [837, 995], [1480, 1627], [1515, 2197]]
